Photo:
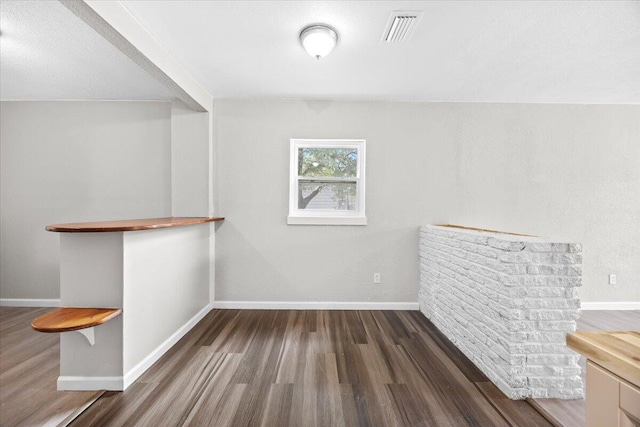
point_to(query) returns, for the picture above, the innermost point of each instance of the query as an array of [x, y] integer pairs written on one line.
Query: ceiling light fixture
[[318, 40]]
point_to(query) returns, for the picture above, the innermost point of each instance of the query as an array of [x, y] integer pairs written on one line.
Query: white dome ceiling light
[[319, 40]]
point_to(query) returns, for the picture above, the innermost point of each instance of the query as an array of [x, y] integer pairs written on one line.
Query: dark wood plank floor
[[29, 369], [312, 368], [282, 368]]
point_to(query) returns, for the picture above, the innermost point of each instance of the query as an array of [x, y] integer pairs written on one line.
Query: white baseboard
[[315, 305], [156, 354], [615, 305], [69, 383], [29, 302]]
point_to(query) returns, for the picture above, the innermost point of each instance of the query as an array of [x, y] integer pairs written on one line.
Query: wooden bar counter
[[613, 376], [156, 270], [129, 224]]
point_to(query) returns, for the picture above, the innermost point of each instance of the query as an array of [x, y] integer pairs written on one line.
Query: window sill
[[320, 220]]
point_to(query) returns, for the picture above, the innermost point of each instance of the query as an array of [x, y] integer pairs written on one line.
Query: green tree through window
[[327, 182], [320, 164]]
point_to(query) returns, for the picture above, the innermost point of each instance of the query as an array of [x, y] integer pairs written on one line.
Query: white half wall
[[74, 161], [160, 279], [166, 283], [562, 171]]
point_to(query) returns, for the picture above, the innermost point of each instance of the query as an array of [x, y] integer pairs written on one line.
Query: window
[[327, 182]]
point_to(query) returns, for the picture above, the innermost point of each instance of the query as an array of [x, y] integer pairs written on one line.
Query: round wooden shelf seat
[[73, 319]]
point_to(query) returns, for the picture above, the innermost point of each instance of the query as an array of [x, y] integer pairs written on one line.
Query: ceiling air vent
[[401, 26]]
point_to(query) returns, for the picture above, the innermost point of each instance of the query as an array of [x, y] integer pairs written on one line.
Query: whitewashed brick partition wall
[[506, 302]]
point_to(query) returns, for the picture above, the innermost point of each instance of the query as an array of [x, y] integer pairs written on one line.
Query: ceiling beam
[[114, 22]]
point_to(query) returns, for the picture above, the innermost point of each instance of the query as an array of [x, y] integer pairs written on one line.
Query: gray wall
[[75, 161], [567, 172], [190, 161]]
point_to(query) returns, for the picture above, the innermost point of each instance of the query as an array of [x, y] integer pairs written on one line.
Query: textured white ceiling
[[474, 51], [480, 51], [47, 53]]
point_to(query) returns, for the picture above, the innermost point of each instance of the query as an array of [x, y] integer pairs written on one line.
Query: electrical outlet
[[376, 277], [612, 279]]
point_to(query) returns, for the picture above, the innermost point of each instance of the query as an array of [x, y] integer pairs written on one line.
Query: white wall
[[568, 172], [75, 161]]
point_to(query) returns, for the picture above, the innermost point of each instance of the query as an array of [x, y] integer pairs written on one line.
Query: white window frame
[[322, 216]]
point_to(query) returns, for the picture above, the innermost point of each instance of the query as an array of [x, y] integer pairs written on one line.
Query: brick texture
[[507, 302]]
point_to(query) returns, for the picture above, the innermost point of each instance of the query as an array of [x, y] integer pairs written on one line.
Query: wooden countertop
[[619, 352], [129, 224]]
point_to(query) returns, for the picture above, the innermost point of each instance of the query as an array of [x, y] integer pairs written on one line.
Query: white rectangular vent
[[401, 26]]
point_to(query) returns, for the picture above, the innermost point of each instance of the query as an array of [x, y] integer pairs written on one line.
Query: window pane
[[333, 162], [334, 196]]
